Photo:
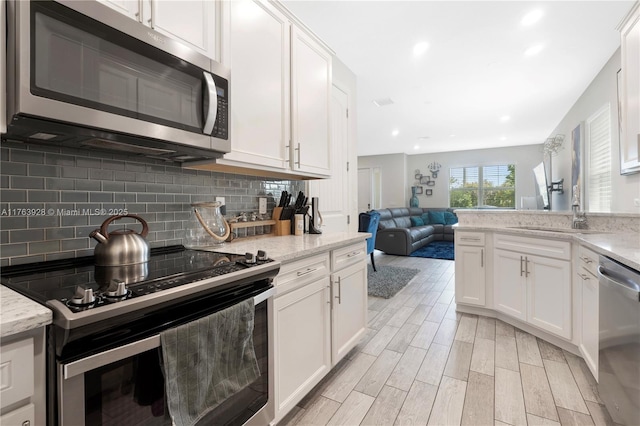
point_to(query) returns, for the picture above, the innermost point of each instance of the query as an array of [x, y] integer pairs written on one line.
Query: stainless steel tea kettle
[[121, 247]]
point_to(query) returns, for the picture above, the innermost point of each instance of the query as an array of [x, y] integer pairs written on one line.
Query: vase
[[206, 227], [413, 202]]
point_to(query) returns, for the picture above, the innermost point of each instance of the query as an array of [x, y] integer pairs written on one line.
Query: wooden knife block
[[282, 227]]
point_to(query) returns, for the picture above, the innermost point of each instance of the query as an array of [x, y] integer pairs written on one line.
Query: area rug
[[436, 250], [388, 280]]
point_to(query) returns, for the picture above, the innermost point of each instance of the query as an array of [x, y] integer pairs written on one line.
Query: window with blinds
[[598, 171], [483, 186]]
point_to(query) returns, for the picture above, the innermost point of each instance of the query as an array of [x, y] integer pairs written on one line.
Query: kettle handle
[[106, 223]]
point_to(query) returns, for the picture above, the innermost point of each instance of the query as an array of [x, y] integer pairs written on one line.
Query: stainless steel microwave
[[81, 74]]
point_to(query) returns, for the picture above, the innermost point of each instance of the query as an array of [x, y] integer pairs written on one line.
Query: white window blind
[[482, 186], [598, 132]]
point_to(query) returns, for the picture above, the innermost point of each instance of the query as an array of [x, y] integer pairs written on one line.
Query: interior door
[[335, 193], [364, 190]]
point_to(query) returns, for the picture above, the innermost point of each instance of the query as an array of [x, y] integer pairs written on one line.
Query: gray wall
[[393, 173], [602, 90], [398, 172], [38, 177], [524, 157]]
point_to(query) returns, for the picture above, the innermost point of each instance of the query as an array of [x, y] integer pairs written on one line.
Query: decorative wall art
[[434, 168], [428, 192], [419, 190]]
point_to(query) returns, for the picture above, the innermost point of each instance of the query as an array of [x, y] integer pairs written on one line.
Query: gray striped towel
[[207, 361]]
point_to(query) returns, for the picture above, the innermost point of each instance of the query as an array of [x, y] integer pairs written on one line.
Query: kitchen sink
[[562, 230]]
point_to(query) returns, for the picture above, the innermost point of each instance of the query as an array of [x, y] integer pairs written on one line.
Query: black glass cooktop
[[168, 266]]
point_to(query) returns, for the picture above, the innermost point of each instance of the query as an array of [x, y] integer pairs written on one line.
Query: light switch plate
[[262, 205], [220, 200]]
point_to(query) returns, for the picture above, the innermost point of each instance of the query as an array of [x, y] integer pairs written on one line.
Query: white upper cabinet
[[630, 91], [310, 98], [190, 21], [259, 58], [280, 93]]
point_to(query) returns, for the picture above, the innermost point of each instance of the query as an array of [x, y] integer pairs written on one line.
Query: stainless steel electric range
[[103, 360]]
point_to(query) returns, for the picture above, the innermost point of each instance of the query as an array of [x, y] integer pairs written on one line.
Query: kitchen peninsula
[[532, 270]]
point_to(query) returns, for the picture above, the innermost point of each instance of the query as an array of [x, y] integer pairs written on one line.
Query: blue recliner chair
[[368, 222]]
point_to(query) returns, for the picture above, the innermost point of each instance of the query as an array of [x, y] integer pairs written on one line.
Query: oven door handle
[[92, 362]]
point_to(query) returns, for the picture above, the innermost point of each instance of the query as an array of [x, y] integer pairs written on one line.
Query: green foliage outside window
[[493, 186]]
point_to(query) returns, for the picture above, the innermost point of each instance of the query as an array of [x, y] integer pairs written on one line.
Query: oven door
[[125, 385], [84, 64]]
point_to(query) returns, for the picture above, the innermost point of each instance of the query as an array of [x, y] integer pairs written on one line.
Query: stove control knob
[[117, 288], [262, 255], [249, 258], [83, 296]]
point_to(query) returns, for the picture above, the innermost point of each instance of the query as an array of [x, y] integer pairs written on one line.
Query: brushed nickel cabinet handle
[[339, 296], [482, 258], [307, 271], [521, 268], [298, 149]]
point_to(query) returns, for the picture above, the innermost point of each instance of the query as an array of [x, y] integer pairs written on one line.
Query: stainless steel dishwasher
[[619, 352]]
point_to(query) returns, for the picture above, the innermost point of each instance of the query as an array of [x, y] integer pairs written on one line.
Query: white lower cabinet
[[509, 285], [22, 379], [532, 282], [348, 310], [302, 342], [549, 295], [470, 268], [587, 280], [320, 314]]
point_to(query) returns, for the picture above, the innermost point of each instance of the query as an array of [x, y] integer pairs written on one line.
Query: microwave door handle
[[212, 105]]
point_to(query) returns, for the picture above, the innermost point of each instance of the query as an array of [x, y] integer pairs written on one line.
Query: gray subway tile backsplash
[[77, 190]]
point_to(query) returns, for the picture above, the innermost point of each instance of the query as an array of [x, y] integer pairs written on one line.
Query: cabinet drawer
[[588, 260], [469, 238], [22, 416], [349, 255], [16, 371], [300, 272], [540, 246]]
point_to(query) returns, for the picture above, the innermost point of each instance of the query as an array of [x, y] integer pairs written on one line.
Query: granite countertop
[[290, 247], [18, 313], [625, 248]]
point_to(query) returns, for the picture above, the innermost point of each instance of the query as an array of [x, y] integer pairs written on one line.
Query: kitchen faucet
[[579, 217]]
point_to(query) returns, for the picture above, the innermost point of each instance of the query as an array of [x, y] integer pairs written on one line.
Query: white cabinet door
[[310, 97], [549, 294], [302, 343], [259, 57], [589, 341], [190, 21], [130, 8], [630, 92], [510, 295], [348, 309], [470, 275]]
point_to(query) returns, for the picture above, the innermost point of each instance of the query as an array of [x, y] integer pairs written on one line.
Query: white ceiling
[[474, 72]]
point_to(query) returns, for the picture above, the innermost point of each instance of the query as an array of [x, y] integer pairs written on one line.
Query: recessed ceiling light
[[416, 147], [531, 17], [533, 50], [504, 138], [383, 102], [505, 118], [420, 48], [395, 132], [452, 135]]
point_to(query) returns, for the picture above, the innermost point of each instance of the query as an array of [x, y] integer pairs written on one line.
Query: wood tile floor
[[421, 363]]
